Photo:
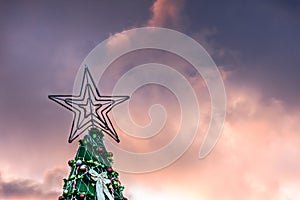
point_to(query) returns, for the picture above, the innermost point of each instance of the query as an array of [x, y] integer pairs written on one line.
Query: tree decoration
[[94, 178], [91, 176], [90, 108]]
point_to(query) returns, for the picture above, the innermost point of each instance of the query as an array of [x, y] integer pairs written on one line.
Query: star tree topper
[[90, 108]]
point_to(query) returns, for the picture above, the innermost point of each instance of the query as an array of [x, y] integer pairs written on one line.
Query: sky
[[255, 45]]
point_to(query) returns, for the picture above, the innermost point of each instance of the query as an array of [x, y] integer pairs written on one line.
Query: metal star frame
[[87, 106]]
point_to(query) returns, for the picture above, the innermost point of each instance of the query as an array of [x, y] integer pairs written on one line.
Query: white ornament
[[78, 162]]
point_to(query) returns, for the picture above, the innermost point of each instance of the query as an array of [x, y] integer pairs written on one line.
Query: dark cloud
[[43, 43], [26, 188], [265, 35], [41, 47], [291, 6]]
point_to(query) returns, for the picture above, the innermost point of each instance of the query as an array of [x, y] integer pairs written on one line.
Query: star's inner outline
[[86, 108]]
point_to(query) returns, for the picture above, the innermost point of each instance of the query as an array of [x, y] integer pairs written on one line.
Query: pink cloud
[[256, 158], [167, 13]]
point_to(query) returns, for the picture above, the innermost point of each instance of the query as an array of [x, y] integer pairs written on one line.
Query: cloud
[[24, 189], [167, 13], [256, 157], [30, 189]]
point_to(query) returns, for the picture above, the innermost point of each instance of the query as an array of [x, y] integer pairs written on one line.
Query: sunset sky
[[255, 45]]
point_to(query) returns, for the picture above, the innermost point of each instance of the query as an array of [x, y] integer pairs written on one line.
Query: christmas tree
[[92, 176]]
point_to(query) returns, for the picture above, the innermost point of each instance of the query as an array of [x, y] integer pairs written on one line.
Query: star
[[90, 108]]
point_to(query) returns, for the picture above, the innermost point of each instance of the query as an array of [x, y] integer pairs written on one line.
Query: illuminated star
[[90, 108]]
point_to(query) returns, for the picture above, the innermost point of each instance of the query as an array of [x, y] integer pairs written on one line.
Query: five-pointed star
[[87, 106]]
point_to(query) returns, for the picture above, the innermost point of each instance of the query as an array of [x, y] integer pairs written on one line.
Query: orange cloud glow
[[167, 13]]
